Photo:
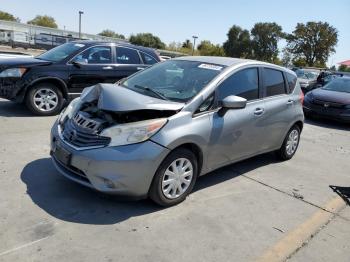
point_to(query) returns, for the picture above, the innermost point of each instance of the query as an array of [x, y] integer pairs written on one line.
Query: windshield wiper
[[158, 94]]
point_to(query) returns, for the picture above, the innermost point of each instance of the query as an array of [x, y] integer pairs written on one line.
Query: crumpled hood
[[112, 97], [21, 62]]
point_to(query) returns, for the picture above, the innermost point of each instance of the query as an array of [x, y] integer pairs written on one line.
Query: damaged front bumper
[[9, 87], [123, 170]]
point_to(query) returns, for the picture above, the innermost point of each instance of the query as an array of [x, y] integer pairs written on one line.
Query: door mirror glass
[[234, 102], [79, 60]]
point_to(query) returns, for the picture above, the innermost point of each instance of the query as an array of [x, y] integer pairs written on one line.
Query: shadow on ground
[[68, 201], [328, 123], [343, 192], [12, 109]]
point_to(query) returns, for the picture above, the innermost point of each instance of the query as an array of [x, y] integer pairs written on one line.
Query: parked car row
[[46, 82], [149, 131]]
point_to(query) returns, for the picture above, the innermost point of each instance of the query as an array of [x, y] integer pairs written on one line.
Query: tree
[[43, 20], [344, 68], [265, 37], [238, 43], [206, 48], [313, 41], [8, 17], [148, 40], [110, 33], [287, 58], [187, 44]]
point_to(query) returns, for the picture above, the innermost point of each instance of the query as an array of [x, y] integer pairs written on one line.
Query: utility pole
[[80, 13], [194, 43]]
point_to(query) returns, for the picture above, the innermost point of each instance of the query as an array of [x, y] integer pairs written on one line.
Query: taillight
[[302, 97]]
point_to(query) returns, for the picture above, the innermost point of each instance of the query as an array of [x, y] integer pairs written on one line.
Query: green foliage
[[43, 20], [299, 62], [110, 33], [187, 44], [238, 43], [148, 40], [287, 58], [8, 17], [313, 41], [206, 48], [265, 37], [344, 68]]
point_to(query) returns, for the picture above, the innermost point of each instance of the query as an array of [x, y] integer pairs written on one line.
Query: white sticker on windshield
[[211, 67], [79, 45]]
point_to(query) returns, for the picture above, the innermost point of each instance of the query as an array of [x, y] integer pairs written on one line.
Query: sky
[[181, 19]]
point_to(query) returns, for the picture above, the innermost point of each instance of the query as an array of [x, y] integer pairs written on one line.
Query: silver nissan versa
[[152, 134]]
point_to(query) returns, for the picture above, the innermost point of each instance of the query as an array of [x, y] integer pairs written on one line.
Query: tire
[[51, 99], [290, 144], [161, 184]]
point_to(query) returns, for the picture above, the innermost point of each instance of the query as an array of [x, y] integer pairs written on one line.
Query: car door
[[128, 61], [238, 133], [279, 107], [91, 66]]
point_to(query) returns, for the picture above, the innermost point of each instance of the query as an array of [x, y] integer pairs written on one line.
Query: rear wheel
[[175, 178], [44, 99], [290, 144]]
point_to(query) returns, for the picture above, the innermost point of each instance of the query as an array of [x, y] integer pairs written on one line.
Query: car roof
[[230, 61], [121, 43]]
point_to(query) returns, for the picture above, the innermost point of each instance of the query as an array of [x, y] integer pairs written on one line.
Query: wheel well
[[197, 152], [53, 81], [300, 125]]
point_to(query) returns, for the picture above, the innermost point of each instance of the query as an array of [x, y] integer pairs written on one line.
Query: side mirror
[[234, 102], [79, 61]]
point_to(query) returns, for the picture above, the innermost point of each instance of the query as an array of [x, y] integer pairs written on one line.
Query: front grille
[[327, 104], [84, 121], [73, 135]]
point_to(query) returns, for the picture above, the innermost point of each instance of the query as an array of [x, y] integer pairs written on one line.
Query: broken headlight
[[132, 133], [70, 110], [13, 72]]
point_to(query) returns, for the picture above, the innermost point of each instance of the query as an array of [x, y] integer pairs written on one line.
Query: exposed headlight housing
[[70, 110], [13, 72], [132, 133]]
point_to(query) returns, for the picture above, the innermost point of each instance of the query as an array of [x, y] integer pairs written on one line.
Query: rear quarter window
[[292, 81]]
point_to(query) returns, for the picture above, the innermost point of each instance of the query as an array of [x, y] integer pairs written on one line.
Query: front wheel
[[175, 178], [44, 99], [290, 144]]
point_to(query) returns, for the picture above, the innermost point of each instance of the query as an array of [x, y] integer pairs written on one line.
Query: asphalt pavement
[[256, 210]]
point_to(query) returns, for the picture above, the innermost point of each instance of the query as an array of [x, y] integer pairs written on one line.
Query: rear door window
[[273, 82], [127, 56], [244, 83]]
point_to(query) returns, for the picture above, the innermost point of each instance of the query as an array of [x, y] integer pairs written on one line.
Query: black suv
[[46, 82]]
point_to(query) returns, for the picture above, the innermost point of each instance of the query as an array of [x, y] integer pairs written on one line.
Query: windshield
[[60, 52], [339, 85], [311, 75], [175, 80]]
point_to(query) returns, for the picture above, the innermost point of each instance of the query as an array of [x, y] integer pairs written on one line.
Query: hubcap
[[177, 178], [45, 99], [292, 142]]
